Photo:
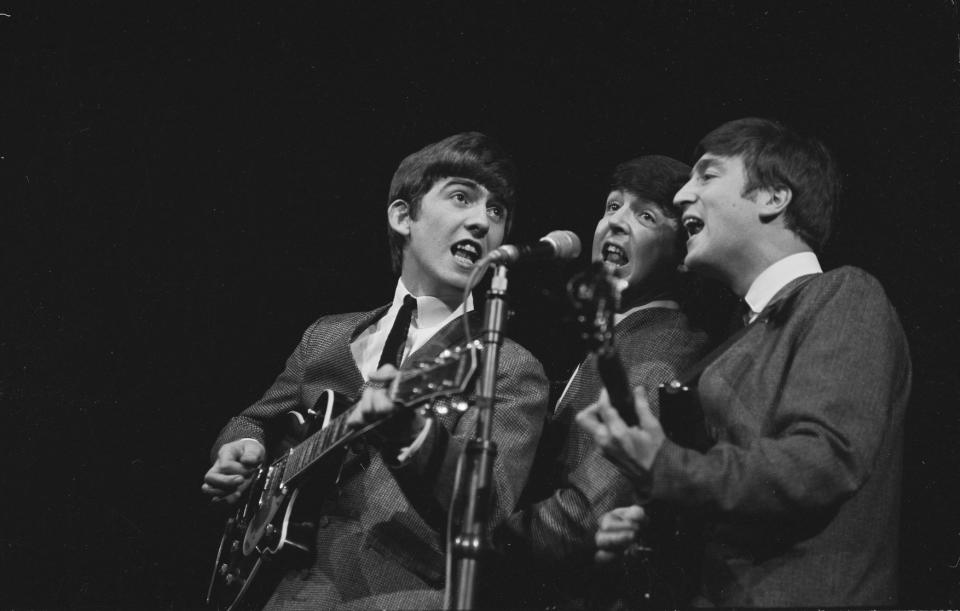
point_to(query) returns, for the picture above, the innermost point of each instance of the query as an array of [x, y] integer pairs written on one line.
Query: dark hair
[[776, 156], [655, 178], [468, 155]]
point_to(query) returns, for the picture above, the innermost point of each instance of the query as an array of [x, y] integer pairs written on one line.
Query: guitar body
[[267, 528], [274, 521]]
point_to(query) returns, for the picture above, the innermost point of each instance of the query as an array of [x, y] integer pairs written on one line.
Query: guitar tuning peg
[[461, 405]]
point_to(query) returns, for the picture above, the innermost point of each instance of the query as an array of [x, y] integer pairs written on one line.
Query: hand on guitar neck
[[375, 405], [621, 422], [633, 449]]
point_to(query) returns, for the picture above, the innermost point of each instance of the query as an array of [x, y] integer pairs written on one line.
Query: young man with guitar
[[637, 244], [379, 539], [799, 483]]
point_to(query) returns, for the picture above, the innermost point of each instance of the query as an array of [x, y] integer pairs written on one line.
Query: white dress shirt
[[430, 316], [777, 276]]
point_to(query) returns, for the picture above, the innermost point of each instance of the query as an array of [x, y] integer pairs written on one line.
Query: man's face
[[636, 237], [720, 221], [458, 223]]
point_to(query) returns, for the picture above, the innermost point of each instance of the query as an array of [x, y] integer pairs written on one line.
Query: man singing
[[800, 489], [380, 542], [639, 237]]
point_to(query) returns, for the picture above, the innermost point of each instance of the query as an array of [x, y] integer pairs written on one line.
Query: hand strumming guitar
[[231, 473]]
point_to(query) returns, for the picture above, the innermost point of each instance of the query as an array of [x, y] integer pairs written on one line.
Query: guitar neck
[[614, 377], [449, 373], [318, 445]]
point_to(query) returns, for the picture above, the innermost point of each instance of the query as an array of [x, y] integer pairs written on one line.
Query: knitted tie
[[393, 348]]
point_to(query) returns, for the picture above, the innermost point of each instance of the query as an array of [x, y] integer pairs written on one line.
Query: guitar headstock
[[448, 374], [595, 295]]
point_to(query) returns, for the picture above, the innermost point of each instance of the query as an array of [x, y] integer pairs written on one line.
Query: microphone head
[[566, 243]]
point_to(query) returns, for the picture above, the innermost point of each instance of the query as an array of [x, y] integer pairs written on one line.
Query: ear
[[398, 216], [776, 202]]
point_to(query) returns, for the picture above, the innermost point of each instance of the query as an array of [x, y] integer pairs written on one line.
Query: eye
[[613, 206], [496, 212], [459, 196], [646, 216]]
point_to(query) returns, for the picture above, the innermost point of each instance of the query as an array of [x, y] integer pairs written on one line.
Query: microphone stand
[[473, 540]]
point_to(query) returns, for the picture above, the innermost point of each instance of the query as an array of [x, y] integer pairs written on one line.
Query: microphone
[[555, 245]]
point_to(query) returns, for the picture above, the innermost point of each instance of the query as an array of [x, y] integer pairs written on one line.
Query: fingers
[[632, 513], [231, 473], [375, 403], [641, 400], [631, 517], [252, 453], [618, 531], [383, 376], [603, 556], [617, 539]]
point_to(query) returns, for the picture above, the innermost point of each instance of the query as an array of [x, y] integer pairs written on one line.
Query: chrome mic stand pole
[[473, 540]]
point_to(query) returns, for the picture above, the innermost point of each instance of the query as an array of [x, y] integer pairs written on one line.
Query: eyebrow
[[705, 164], [462, 182]]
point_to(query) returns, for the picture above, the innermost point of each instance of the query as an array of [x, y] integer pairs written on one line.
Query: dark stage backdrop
[[187, 187]]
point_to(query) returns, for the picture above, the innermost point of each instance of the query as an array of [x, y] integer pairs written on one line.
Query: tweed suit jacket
[[801, 491], [578, 485], [381, 537]]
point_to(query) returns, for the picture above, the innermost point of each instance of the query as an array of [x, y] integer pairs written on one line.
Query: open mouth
[[693, 225], [611, 253], [467, 252]]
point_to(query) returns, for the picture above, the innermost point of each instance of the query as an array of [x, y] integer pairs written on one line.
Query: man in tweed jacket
[[380, 542], [640, 238], [801, 487]]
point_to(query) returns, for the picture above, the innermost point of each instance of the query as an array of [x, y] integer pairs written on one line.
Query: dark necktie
[[746, 312], [393, 348]]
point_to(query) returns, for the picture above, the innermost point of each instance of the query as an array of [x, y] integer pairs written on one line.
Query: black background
[[186, 187]]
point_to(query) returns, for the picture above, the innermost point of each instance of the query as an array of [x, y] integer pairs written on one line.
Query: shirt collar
[[430, 310], [659, 303], [779, 275]]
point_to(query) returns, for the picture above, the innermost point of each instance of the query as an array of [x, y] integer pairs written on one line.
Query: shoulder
[[329, 325], [844, 286], [516, 358], [659, 329]]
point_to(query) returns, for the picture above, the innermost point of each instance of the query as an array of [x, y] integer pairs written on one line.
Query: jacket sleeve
[[282, 396], [844, 390]]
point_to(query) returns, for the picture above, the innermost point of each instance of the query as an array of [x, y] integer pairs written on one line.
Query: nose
[[478, 222], [618, 220], [686, 195]]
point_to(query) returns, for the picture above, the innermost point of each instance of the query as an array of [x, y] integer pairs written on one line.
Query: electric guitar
[[266, 528]]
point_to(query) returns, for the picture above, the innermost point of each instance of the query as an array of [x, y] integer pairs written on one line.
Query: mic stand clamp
[[473, 541]]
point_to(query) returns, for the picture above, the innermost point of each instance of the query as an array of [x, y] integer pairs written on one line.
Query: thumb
[[641, 402]]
